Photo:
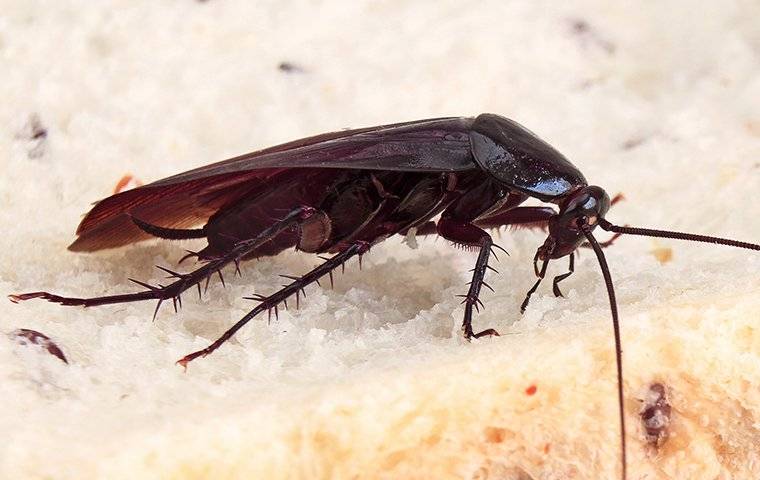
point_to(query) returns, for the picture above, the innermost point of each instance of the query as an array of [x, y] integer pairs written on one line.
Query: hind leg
[[271, 302], [183, 281]]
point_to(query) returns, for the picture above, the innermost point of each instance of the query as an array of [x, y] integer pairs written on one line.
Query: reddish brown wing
[[180, 205], [189, 198]]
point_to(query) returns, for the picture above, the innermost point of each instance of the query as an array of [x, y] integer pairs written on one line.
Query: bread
[[372, 379]]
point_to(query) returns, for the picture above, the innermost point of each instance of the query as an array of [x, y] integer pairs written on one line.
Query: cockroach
[[340, 193]]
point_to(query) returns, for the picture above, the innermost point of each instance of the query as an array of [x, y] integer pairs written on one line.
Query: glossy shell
[[520, 159]]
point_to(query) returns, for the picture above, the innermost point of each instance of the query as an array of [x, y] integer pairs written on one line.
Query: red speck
[[124, 183], [547, 447], [531, 390]]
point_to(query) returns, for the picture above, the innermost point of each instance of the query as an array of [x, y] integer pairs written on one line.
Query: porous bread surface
[[372, 379]]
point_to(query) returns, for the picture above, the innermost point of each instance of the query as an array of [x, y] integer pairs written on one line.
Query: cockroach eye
[[579, 222]]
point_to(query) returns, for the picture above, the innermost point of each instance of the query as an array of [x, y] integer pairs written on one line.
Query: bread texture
[[371, 379]]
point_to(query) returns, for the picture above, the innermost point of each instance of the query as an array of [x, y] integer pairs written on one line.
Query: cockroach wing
[[189, 199], [520, 159], [435, 145], [181, 205]]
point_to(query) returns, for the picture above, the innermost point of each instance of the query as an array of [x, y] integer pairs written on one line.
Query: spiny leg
[[271, 302], [518, 217], [472, 298], [540, 274], [469, 235], [559, 278], [184, 280]]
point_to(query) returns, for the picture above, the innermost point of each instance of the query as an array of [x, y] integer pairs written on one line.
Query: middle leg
[[468, 235], [472, 235]]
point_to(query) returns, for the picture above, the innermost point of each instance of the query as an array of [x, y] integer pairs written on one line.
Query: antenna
[[648, 232], [618, 349]]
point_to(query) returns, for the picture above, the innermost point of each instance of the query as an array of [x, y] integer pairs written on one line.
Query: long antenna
[[618, 348], [645, 232], [648, 232]]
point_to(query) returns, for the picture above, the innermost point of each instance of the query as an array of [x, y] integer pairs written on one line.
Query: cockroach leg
[[471, 236], [655, 415], [519, 217], [270, 303], [541, 274], [559, 278], [527, 217], [535, 264], [184, 281]]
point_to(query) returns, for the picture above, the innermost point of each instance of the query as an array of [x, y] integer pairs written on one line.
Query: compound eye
[[578, 223]]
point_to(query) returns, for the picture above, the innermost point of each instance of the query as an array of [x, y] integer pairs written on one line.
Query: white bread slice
[[372, 380]]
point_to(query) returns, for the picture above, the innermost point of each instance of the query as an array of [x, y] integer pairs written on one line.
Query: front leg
[[468, 235], [515, 217], [520, 217]]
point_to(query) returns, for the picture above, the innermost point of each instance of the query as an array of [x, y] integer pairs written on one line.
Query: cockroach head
[[581, 210]]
